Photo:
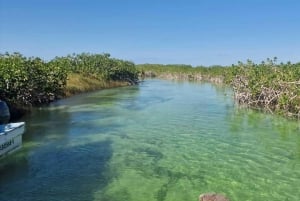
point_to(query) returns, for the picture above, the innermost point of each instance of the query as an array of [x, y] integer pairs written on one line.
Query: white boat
[[11, 137]]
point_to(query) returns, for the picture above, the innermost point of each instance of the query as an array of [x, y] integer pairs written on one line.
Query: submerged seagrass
[[159, 141]]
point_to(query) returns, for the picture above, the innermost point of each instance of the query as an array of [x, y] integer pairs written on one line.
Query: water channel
[[159, 141]]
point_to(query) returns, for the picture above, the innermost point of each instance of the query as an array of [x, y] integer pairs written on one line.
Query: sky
[[195, 32]]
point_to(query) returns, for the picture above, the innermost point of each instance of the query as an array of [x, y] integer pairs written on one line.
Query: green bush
[[29, 81], [275, 87], [32, 81]]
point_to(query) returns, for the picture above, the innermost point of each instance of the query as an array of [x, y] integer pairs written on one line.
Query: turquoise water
[[158, 141]]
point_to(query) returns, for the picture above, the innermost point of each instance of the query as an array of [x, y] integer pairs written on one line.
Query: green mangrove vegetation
[[269, 86], [31, 81]]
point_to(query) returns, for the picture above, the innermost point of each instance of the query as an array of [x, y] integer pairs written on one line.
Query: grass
[[79, 83]]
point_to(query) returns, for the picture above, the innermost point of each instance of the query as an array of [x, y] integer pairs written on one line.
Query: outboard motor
[[4, 113]]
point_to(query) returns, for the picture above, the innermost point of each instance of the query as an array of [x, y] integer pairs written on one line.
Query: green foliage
[[32, 81], [275, 87], [29, 80], [100, 66]]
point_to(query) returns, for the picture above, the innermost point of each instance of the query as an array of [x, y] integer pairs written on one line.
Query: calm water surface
[[158, 141]]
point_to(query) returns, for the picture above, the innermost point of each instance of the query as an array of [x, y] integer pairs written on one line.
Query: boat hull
[[11, 138]]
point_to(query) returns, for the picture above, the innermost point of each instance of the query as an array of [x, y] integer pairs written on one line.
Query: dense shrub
[[32, 81], [100, 66], [274, 87], [29, 80]]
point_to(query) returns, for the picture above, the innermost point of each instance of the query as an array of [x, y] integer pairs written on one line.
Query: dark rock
[[4, 113], [212, 197]]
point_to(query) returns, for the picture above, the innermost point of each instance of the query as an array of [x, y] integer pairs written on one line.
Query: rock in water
[[212, 197]]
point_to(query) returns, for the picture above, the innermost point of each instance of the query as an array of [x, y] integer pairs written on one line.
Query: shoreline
[[76, 84], [186, 76], [32, 82]]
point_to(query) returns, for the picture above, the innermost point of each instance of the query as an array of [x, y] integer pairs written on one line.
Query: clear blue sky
[[197, 32]]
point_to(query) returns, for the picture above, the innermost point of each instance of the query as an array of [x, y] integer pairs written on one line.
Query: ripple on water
[[158, 141]]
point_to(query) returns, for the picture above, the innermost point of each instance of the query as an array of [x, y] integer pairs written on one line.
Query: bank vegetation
[[31, 81], [267, 86]]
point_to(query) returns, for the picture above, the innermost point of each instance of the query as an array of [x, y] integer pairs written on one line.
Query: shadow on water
[[66, 149], [76, 173], [76, 114]]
